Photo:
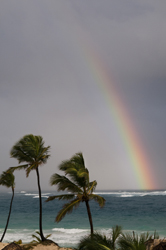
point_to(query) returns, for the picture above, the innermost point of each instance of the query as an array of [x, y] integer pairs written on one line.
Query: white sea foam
[[132, 193], [36, 195], [122, 194], [127, 195], [31, 194], [43, 196], [70, 231], [71, 237], [16, 234], [68, 237], [62, 236], [107, 193]]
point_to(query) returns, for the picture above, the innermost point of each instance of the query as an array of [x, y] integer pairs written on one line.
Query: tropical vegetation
[[37, 237], [100, 241], [116, 241], [31, 150], [133, 241], [7, 180], [76, 181]]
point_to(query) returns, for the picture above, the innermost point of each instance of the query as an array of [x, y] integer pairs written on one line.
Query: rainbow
[[141, 167]]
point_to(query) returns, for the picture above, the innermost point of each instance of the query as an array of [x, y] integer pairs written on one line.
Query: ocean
[[138, 211]]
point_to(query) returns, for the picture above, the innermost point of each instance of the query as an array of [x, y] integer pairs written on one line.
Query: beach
[[39, 247], [2, 245]]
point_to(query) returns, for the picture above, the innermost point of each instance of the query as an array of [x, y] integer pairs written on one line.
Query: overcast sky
[[48, 88]]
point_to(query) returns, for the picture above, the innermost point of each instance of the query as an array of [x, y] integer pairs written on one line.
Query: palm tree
[[132, 241], [30, 149], [78, 184], [7, 180], [99, 241], [36, 237]]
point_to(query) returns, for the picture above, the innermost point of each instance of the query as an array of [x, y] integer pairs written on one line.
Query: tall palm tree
[[7, 180], [100, 241], [30, 149], [78, 184]]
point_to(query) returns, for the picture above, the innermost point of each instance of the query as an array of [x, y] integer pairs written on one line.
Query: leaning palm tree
[[30, 149], [100, 241], [7, 180], [78, 184]]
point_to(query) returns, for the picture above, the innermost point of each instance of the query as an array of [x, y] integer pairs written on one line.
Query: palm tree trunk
[[89, 216], [8, 215], [40, 206]]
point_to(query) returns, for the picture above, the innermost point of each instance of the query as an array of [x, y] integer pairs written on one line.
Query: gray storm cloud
[[48, 89]]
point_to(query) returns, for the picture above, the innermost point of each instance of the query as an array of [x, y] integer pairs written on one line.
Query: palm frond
[[18, 152], [133, 241], [7, 179], [61, 197], [64, 183], [43, 154], [68, 167], [83, 173], [125, 242], [30, 168], [80, 177], [143, 238], [76, 162], [51, 198], [89, 244], [155, 235], [71, 170], [67, 208], [116, 232], [36, 237], [104, 247], [99, 199], [75, 170], [20, 167], [30, 148], [92, 186], [96, 241]]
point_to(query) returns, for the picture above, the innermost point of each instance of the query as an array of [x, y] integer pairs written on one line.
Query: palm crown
[[7, 180], [30, 149], [76, 181]]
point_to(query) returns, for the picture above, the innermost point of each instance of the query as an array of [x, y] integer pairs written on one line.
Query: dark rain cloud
[[47, 86]]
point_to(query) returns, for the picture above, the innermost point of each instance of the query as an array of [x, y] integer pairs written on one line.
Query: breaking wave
[[132, 193]]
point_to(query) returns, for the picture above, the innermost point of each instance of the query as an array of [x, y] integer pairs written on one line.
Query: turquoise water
[[133, 210]]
